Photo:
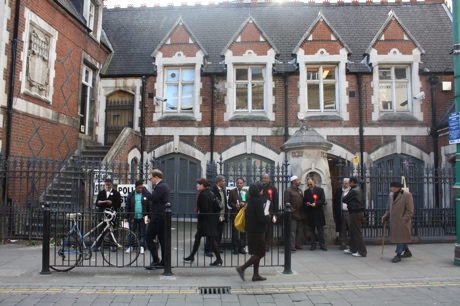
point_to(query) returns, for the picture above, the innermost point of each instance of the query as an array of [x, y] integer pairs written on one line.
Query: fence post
[[287, 239], [167, 260], [46, 239]]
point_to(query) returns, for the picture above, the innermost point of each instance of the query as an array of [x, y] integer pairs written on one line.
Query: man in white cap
[[294, 196]]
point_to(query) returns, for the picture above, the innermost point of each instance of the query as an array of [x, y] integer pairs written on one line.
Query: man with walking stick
[[400, 209]]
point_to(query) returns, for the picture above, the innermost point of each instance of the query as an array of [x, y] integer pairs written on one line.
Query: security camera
[[160, 99], [420, 96]]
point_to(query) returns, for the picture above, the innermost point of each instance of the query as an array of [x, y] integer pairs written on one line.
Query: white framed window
[[180, 89], [91, 16], [249, 89], [321, 88], [394, 91], [86, 115]]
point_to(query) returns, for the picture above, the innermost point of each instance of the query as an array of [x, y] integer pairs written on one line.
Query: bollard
[[46, 239], [167, 260], [287, 239]]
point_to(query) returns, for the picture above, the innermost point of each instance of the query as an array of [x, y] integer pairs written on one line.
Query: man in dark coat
[[400, 209], [236, 202], [293, 195], [270, 194], [221, 193], [315, 200], [108, 198], [356, 206], [340, 213], [156, 223]]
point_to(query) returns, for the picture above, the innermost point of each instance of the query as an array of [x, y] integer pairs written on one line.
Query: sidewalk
[[21, 265]]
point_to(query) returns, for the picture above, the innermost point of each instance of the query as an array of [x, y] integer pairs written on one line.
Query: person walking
[[400, 209], [293, 195], [315, 200], [340, 213], [356, 205], [207, 221], [221, 194], [236, 202], [137, 207], [257, 218]]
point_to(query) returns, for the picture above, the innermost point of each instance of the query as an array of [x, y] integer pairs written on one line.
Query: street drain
[[214, 290]]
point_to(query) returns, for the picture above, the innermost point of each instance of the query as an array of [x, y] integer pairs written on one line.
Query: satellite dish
[[301, 116]]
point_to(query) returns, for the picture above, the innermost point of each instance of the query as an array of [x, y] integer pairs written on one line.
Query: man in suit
[[107, 198], [315, 200], [221, 193], [270, 194], [236, 202]]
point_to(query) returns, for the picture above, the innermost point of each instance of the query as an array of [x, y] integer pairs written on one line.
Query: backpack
[[240, 220]]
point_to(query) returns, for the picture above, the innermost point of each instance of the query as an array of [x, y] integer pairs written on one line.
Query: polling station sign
[[125, 190]]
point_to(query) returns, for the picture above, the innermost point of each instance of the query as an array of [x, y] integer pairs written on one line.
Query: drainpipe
[[142, 121], [433, 80], [213, 83], [9, 112], [286, 107], [361, 129]]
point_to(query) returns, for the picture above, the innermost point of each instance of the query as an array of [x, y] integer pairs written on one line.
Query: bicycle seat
[[72, 215]]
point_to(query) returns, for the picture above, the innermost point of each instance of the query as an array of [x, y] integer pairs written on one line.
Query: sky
[[150, 3]]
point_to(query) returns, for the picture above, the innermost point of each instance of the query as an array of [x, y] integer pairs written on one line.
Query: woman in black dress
[[207, 220], [256, 222]]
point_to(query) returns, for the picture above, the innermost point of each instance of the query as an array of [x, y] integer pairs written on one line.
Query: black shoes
[[189, 259], [396, 259], [240, 272], [208, 254], [313, 247], [156, 265], [406, 254], [324, 248], [236, 252], [242, 251], [218, 262]]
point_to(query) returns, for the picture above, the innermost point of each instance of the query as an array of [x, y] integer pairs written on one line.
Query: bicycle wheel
[[65, 252], [120, 248]]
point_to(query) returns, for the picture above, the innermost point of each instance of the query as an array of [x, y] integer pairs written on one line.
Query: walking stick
[[383, 237]]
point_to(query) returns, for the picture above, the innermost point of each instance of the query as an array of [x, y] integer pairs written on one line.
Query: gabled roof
[[180, 21], [241, 28], [391, 16], [74, 7], [320, 17], [136, 32]]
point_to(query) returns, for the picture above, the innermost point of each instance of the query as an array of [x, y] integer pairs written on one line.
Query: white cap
[[293, 178]]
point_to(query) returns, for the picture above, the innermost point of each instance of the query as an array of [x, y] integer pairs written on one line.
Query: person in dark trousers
[[221, 193], [340, 213], [236, 202], [356, 206], [294, 196], [156, 223], [207, 221], [315, 200], [107, 198], [270, 194], [137, 207], [257, 219], [400, 209]]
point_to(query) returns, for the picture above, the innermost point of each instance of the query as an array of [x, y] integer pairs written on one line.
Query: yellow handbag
[[240, 220]]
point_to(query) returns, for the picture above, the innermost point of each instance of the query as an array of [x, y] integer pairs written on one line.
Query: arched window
[[250, 167]]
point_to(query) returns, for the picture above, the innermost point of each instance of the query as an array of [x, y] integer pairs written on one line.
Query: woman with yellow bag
[[257, 218]]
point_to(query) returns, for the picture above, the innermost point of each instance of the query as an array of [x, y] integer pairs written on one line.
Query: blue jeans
[[400, 247]]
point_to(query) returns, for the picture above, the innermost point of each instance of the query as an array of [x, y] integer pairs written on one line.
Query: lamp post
[[456, 188]]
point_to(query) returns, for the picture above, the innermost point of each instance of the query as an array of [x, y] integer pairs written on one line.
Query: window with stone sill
[[249, 89], [180, 90], [321, 88], [394, 88]]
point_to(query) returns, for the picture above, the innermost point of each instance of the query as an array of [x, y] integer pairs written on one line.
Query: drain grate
[[214, 290]]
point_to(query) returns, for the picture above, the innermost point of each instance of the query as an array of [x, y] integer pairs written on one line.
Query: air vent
[[214, 290]]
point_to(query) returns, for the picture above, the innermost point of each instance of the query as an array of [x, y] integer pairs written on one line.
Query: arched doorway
[[118, 115], [392, 168], [180, 173], [250, 167]]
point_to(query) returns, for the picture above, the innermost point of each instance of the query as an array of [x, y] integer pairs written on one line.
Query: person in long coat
[[257, 218], [207, 221], [315, 200], [399, 211], [294, 196], [340, 213]]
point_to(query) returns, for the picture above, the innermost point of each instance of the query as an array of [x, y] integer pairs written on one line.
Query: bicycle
[[70, 248]]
